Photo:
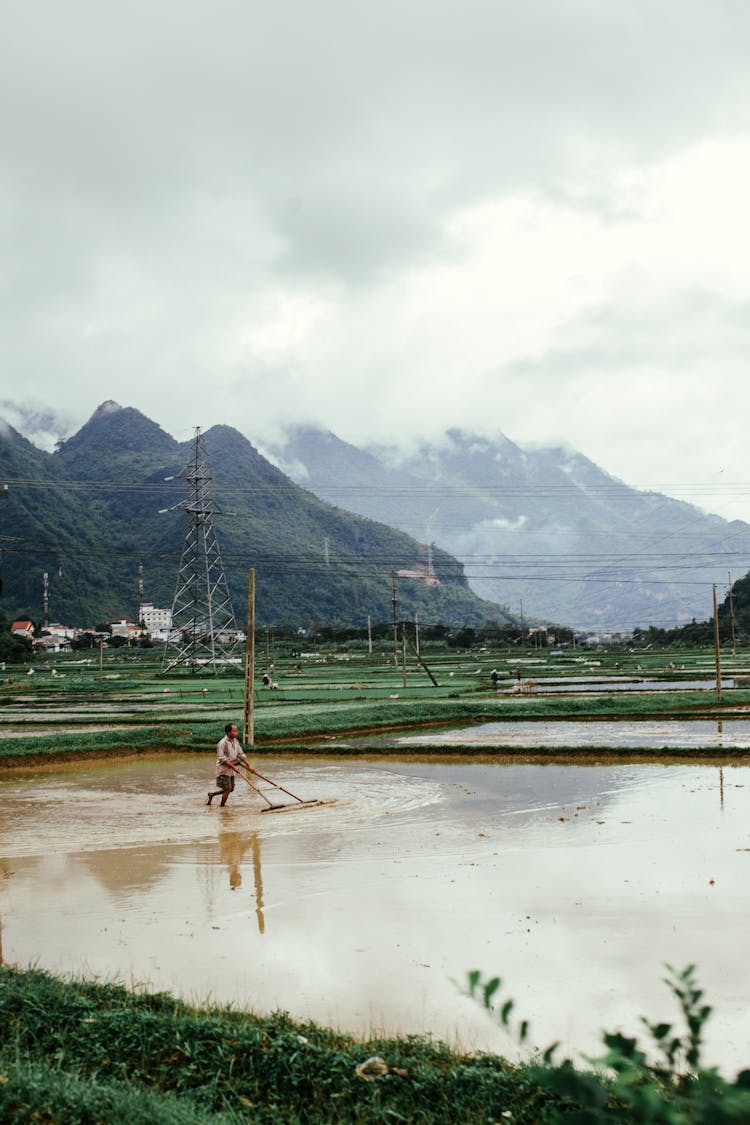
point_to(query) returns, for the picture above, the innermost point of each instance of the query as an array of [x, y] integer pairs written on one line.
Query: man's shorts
[[225, 782]]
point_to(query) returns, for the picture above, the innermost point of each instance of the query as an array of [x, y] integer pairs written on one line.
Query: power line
[[585, 563], [427, 489]]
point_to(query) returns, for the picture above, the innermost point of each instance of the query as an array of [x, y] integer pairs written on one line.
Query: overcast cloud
[[387, 219]]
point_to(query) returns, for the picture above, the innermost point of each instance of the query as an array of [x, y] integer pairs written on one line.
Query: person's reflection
[[234, 844]]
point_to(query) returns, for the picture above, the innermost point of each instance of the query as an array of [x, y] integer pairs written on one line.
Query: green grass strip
[[78, 1052], [311, 723], [227, 1062]]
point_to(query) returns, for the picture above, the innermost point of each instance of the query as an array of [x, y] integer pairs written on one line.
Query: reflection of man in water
[[228, 751], [233, 847]]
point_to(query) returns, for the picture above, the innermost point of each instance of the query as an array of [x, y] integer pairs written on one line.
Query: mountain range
[[511, 534], [544, 531], [96, 517]]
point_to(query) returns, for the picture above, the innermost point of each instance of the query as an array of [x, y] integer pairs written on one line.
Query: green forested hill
[[90, 513]]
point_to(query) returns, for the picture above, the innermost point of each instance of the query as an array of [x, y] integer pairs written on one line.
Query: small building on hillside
[[421, 572]]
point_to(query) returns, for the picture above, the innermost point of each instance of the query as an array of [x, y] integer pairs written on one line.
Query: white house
[[157, 622]]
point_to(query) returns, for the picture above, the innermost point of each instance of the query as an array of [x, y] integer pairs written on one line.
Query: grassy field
[[90, 1052], [71, 707]]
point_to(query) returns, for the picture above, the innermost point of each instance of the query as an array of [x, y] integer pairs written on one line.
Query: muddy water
[[638, 734], [560, 684], [575, 884]]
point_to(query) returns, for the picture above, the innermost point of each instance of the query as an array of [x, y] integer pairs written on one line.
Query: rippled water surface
[[575, 883]]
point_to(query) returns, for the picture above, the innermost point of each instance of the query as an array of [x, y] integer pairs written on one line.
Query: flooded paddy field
[[644, 734], [574, 883], [568, 685]]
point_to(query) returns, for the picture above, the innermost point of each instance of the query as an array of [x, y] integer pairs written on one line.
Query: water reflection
[[601, 734], [571, 686], [128, 869], [234, 845], [576, 883]]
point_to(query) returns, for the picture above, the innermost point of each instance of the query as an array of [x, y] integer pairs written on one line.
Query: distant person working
[[228, 751]]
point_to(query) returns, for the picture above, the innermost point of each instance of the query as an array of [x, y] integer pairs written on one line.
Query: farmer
[[228, 751]]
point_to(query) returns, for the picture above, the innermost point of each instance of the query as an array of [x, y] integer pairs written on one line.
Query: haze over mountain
[[90, 513], [545, 530]]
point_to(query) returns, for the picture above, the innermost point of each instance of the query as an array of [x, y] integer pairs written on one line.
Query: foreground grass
[[87, 1052], [91, 1052]]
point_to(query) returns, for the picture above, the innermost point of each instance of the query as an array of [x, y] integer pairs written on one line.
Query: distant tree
[[464, 638], [434, 632], [13, 650], [84, 642]]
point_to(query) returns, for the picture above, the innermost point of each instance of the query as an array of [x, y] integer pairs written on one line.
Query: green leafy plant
[[622, 1084]]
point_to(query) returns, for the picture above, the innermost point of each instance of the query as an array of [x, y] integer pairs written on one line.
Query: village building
[[56, 638], [156, 622], [125, 628], [22, 629]]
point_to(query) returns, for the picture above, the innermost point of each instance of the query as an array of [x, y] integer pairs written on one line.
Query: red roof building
[[22, 629]]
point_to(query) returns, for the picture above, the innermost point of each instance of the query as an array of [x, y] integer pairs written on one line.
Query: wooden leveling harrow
[[271, 806]]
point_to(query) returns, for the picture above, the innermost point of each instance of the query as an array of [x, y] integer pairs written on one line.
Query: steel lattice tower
[[202, 609]]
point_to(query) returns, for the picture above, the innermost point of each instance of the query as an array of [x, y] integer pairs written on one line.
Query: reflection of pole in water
[[258, 876], [721, 788]]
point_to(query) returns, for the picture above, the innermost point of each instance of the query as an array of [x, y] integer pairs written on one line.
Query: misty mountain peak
[[105, 409], [114, 435], [472, 443]]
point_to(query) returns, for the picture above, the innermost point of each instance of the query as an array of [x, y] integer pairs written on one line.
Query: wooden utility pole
[[248, 728], [395, 619], [731, 615], [718, 652], [369, 635], [421, 661], [403, 654]]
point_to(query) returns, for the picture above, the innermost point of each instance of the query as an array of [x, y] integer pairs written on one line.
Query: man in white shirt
[[228, 751]]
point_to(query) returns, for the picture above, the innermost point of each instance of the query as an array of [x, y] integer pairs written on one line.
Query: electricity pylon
[[202, 608]]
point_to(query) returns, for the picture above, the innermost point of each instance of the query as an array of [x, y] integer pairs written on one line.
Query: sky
[[386, 219]]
